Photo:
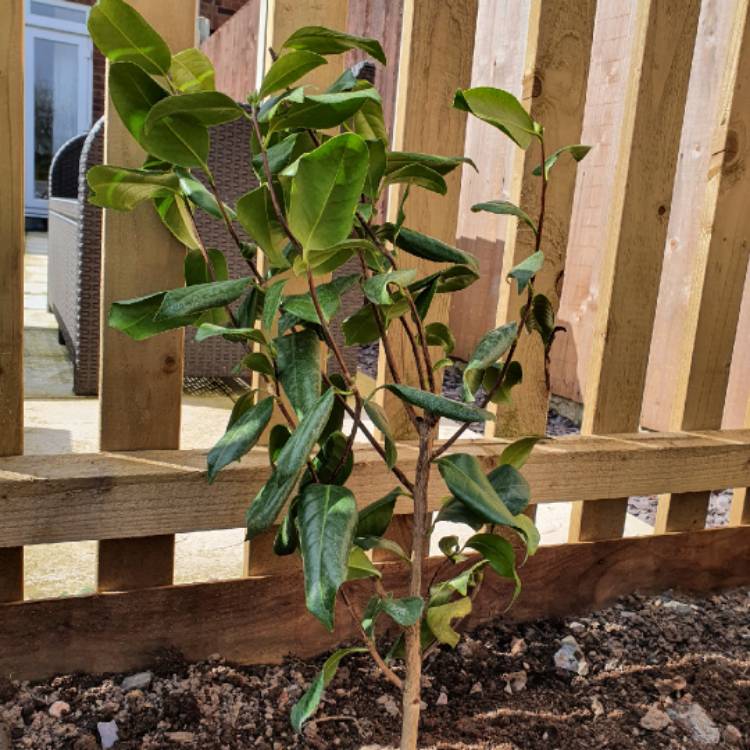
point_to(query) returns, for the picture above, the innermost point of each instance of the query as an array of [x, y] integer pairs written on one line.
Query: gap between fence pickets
[[263, 619]]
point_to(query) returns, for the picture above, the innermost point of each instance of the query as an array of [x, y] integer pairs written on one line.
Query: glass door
[[58, 89]]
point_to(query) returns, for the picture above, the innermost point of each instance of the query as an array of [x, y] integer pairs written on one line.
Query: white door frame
[[56, 30]]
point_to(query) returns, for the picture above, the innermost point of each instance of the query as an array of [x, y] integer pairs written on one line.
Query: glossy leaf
[[360, 566], [438, 334], [506, 208], [454, 511], [368, 122], [209, 108], [175, 214], [418, 175], [500, 109], [330, 42], [196, 192], [197, 271], [501, 393], [542, 318], [325, 191], [429, 248], [288, 69], [525, 271], [299, 369], [283, 153], [578, 151], [439, 405], [511, 488], [271, 304], [406, 611], [376, 287], [320, 111], [210, 330], [286, 540], [329, 298], [335, 461], [499, 554], [488, 351], [188, 300], [256, 214], [180, 140], [133, 94], [518, 452], [441, 164], [192, 71], [376, 517], [123, 189], [257, 362], [439, 620], [121, 34], [380, 420], [135, 317], [240, 437], [326, 520]]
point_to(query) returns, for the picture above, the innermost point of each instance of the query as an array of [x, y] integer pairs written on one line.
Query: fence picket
[[11, 266], [140, 382], [654, 106]]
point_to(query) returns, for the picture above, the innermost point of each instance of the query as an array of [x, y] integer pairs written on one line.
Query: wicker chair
[[75, 232]]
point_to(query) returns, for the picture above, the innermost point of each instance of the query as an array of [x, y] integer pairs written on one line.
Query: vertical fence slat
[[140, 381], [717, 278], [654, 108], [11, 266], [558, 55], [437, 49], [740, 511], [283, 18]]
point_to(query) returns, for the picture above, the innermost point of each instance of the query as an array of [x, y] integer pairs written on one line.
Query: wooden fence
[[140, 490]]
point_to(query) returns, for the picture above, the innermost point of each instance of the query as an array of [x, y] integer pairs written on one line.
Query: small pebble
[[570, 657], [108, 733], [181, 737], [58, 709], [694, 721], [139, 681], [655, 720], [442, 700], [732, 735]]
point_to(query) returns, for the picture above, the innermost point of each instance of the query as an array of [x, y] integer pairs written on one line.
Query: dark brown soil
[[668, 651]]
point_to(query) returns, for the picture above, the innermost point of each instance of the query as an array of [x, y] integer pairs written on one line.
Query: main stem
[[412, 639]]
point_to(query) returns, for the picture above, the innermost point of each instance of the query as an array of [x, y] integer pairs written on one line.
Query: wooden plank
[[11, 264], [629, 282], [706, 335], [498, 61], [437, 43], [555, 78], [48, 499], [140, 381], [740, 510], [122, 631]]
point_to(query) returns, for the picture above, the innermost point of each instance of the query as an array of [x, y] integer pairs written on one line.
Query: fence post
[[11, 266], [654, 106], [717, 278], [140, 381], [283, 18], [740, 511], [556, 69]]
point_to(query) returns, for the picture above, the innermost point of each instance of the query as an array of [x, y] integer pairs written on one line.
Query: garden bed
[[668, 671]]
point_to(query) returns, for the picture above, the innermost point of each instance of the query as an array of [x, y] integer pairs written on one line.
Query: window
[[58, 12]]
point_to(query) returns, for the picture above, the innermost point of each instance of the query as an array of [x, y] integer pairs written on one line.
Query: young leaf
[[188, 300], [424, 246], [330, 42], [240, 437], [499, 108], [419, 175], [309, 702], [525, 271], [134, 93], [299, 369], [326, 520], [488, 351], [439, 405], [195, 191], [192, 71], [517, 453], [376, 517], [511, 488], [380, 420], [288, 69], [577, 151], [209, 108], [438, 334], [360, 566], [123, 189], [441, 164], [135, 317], [121, 34], [325, 191], [466, 480], [439, 619], [507, 208], [376, 287], [499, 554]]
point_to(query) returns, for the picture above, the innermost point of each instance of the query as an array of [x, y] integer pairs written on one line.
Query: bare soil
[[499, 690]]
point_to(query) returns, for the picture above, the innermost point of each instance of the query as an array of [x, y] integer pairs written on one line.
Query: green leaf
[[291, 461], [123, 189], [505, 207], [330, 42], [209, 330], [525, 526], [499, 554], [375, 170], [368, 122], [499, 108], [361, 327], [257, 362], [320, 111], [133, 93], [286, 540], [511, 488], [577, 151], [176, 217], [288, 69], [192, 71], [271, 303], [360, 566], [196, 269], [439, 620], [454, 511], [450, 547], [542, 318], [309, 702], [329, 298], [299, 369], [488, 351], [196, 192], [325, 191], [121, 34], [135, 317], [209, 108], [277, 439], [180, 140], [466, 480], [188, 300], [380, 420], [376, 287], [419, 175], [501, 394], [282, 154], [376, 517], [423, 246], [406, 611], [328, 260], [518, 452], [256, 214], [240, 437], [335, 461], [439, 405], [441, 164], [525, 271], [326, 520], [438, 334]]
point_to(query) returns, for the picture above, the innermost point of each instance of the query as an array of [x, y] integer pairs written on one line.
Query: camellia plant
[[321, 163]]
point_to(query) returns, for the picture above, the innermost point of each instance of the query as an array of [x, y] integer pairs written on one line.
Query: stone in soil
[[694, 721], [655, 720], [138, 681], [570, 657]]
